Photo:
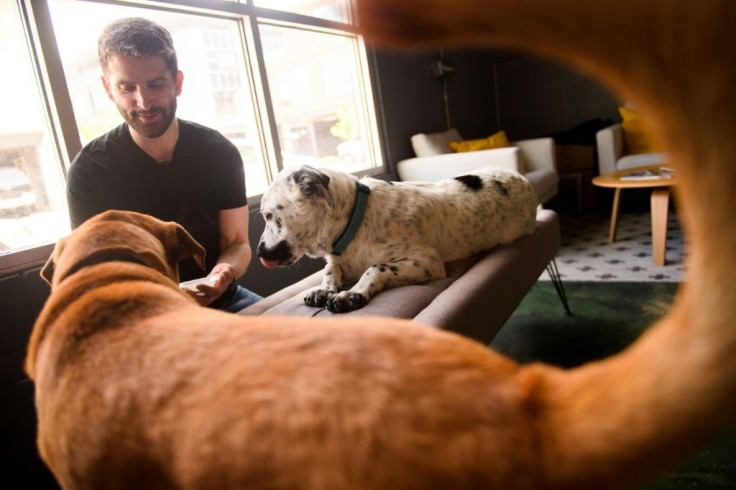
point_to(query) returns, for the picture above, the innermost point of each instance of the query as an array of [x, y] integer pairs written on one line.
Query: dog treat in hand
[[192, 285]]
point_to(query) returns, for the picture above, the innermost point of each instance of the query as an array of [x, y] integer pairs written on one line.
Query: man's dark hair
[[137, 38]]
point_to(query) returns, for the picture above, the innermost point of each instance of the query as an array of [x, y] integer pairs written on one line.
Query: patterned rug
[[586, 254]]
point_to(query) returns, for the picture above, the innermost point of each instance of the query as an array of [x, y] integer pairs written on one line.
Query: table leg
[[614, 215], [660, 209]]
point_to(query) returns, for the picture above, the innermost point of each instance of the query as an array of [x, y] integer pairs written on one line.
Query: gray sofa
[[475, 299]]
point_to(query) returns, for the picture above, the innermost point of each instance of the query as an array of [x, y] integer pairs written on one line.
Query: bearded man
[[157, 164]]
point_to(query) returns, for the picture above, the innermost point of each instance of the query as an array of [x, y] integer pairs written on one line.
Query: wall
[[413, 101], [537, 97], [488, 91], [21, 297], [524, 95]]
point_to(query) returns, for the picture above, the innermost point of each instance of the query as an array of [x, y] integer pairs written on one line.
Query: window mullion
[[55, 92], [262, 92]]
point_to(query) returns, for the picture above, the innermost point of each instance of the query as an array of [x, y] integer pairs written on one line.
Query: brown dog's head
[[135, 236]]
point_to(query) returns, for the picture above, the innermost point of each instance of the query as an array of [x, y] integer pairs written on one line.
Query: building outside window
[[287, 81]]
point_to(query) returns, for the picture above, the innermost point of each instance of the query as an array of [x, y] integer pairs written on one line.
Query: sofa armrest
[[609, 144], [537, 154], [446, 166]]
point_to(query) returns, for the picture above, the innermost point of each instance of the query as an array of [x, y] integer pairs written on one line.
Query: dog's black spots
[[394, 269], [311, 181], [382, 268], [472, 182], [416, 263], [280, 207], [498, 185]]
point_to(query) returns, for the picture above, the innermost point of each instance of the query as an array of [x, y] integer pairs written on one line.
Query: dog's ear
[[189, 247], [47, 271], [311, 181], [179, 244]]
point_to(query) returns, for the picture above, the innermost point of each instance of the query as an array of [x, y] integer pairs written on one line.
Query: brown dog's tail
[[621, 419]]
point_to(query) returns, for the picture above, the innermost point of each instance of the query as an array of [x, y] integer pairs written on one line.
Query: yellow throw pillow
[[637, 138], [497, 140]]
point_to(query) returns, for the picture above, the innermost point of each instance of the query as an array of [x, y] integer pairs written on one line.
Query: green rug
[[606, 318]]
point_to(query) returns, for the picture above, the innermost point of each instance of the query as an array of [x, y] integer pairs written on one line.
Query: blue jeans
[[235, 299]]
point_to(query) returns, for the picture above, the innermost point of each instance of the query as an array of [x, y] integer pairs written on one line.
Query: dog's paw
[[317, 298], [344, 302]]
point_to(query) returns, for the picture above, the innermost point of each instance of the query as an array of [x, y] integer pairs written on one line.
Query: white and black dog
[[386, 234]]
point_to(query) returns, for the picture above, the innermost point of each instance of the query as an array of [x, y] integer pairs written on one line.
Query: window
[[32, 199], [285, 80], [337, 10], [317, 95], [216, 90]]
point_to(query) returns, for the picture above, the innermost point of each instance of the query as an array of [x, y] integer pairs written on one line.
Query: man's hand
[[206, 294]]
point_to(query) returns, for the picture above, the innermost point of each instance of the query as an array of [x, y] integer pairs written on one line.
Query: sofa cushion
[[640, 160], [438, 167], [414, 298], [545, 182], [426, 145], [494, 141]]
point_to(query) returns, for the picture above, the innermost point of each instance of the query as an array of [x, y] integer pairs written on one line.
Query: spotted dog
[[386, 234]]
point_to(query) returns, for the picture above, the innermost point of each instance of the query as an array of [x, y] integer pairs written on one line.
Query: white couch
[[534, 158], [611, 157]]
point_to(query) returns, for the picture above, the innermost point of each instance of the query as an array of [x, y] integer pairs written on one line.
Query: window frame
[[41, 43]]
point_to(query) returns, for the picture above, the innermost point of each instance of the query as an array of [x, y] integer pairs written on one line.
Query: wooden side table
[[659, 203]]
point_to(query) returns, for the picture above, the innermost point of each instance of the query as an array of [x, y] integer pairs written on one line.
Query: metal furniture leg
[[554, 275]]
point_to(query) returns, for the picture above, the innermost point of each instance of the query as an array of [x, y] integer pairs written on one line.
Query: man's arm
[[234, 242], [235, 253]]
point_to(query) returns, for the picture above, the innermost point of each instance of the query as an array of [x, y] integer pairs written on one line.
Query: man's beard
[[154, 129]]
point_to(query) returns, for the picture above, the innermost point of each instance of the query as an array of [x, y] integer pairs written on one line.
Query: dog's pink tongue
[[269, 264]]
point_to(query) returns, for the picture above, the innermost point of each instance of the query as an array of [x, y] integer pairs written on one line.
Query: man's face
[[144, 92]]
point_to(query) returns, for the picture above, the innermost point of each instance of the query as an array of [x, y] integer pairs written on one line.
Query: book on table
[[661, 173]]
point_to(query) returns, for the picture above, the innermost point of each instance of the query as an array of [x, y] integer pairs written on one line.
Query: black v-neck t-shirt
[[204, 176]]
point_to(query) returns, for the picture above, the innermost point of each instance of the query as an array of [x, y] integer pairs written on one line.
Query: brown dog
[[137, 387]]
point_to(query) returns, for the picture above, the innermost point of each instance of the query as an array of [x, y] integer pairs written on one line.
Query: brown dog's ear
[[47, 271], [189, 247]]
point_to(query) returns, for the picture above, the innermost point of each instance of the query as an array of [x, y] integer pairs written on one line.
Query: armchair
[[611, 155]]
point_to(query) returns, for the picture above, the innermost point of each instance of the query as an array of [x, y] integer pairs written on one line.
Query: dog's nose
[[281, 251]]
